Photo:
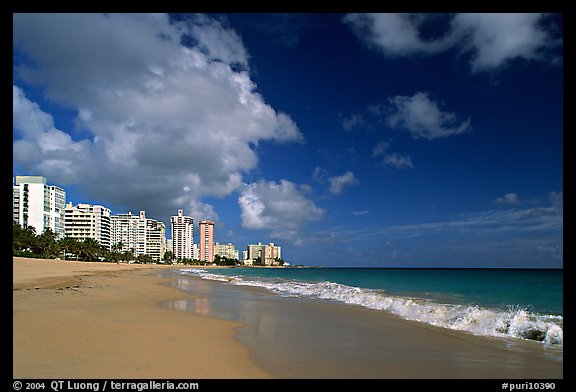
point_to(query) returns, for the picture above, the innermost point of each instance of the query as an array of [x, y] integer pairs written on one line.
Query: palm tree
[[115, 254], [68, 245], [46, 244], [89, 249], [23, 238]]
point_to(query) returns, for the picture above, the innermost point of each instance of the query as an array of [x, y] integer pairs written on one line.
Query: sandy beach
[[102, 320]]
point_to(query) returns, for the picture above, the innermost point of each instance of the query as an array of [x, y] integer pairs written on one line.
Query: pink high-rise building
[[207, 241], [182, 235]]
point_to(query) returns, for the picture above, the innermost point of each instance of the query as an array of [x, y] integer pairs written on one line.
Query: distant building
[[268, 254], [169, 245], [226, 250], [195, 251], [182, 235], [38, 205], [143, 236], [207, 241], [88, 221]]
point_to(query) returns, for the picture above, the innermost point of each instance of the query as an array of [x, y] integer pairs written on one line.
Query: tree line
[[27, 243]]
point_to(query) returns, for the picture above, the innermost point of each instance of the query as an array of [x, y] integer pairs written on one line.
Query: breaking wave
[[514, 322]]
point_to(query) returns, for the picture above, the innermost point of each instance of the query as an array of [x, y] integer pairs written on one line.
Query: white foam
[[514, 322]]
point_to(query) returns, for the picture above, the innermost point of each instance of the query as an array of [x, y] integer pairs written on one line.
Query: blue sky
[[392, 140]]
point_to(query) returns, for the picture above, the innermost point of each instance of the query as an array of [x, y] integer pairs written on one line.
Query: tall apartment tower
[[182, 235], [207, 241], [38, 205], [143, 235], [88, 221]]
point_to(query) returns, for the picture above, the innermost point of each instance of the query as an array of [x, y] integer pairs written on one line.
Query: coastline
[[103, 320], [296, 337]]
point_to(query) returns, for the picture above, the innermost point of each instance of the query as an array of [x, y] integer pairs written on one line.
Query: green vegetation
[[26, 243]]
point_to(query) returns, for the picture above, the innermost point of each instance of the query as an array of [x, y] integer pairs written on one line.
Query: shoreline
[[295, 337], [102, 320]]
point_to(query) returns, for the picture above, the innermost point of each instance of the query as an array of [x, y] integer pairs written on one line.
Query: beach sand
[[102, 320]]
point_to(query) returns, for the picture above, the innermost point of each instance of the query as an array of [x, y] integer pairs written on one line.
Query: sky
[[351, 140]]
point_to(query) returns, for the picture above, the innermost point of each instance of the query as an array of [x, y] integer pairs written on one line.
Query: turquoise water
[[522, 303]]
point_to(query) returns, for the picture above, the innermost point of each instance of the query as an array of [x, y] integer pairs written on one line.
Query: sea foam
[[513, 322]]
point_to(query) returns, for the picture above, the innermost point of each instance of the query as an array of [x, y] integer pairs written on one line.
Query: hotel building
[[226, 250], [88, 221], [38, 205], [268, 254], [143, 236], [207, 241], [182, 236]]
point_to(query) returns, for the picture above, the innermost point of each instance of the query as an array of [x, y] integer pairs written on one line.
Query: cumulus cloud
[[508, 199], [43, 146], [338, 183], [167, 108], [423, 118], [281, 207], [490, 40]]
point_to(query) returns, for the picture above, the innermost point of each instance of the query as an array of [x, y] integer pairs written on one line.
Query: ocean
[[525, 304]]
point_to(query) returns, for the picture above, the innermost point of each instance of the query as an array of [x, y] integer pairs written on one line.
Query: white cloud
[[495, 39], [508, 199], [280, 207], [393, 34], [158, 116], [399, 161], [338, 183], [490, 40], [394, 159], [423, 118], [44, 147]]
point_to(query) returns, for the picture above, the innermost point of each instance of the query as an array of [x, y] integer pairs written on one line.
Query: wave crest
[[514, 322]]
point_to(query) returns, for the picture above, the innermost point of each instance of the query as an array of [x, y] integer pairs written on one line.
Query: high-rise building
[[141, 235], [38, 205], [182, 235], [88, 221], [268, 254], [207, 241]]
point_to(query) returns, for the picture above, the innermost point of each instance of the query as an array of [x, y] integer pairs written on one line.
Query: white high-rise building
[[38, 205], [88, 221], [182, 235], [141, 235]]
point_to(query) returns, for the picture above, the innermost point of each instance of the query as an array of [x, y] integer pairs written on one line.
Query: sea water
[[518, 303]]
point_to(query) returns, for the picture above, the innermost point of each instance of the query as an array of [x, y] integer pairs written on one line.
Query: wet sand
[[297, 338], [102, 320]]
